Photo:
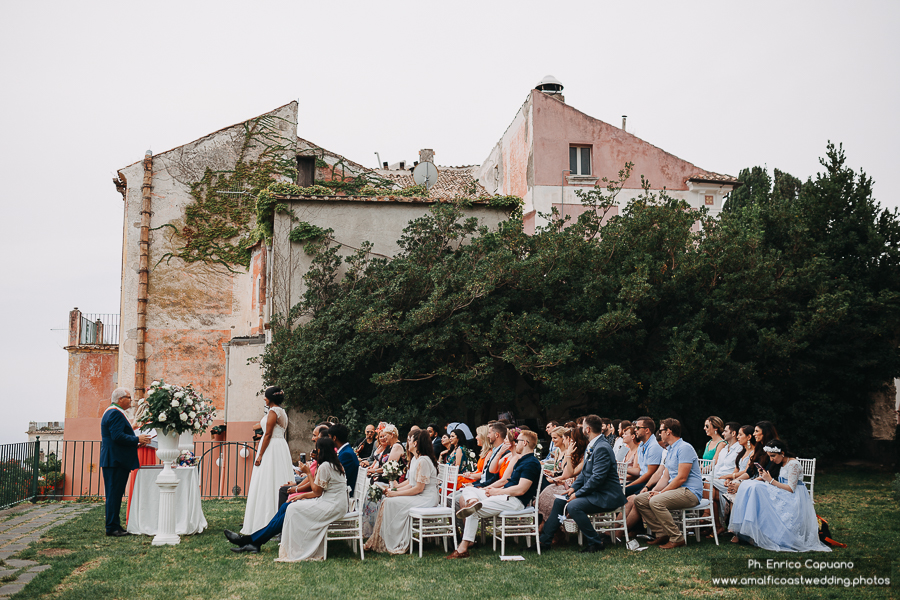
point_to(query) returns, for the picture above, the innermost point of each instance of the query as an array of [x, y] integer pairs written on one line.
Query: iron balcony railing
[[70, 469], [99, 329]]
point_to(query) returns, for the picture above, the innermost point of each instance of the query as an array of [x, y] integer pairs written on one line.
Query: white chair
[[706, 467], [350, 526], [610, 522], [809, 474], [695, 517], [622, 470], [436, 521], [518, 523]]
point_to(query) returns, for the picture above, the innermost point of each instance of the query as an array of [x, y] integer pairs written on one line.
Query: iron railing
[[70, 469], [99, 329]]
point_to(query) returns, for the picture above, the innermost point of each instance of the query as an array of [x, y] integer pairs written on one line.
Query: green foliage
[[895, 486], [218, 225], [785, 308], [51, 465], [305, 232]]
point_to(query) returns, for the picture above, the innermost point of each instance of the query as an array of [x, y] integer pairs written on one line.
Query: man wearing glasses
[[685, 489], [649, 455]]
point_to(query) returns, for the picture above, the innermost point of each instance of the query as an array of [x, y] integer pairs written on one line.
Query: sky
[[88, 87]]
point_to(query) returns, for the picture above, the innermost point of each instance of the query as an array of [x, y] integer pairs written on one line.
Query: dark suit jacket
[[599, 479], [118, 444], [350, 462]]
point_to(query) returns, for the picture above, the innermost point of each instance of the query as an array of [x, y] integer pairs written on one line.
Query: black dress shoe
[[247, 548], [593, 548], [117, 533], [236, 538]]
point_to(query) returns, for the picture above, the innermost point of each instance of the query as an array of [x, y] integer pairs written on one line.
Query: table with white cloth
[[143, 512]]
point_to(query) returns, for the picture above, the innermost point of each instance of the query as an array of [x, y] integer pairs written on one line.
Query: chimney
[[551, 86], [623, 121], [426, 155]]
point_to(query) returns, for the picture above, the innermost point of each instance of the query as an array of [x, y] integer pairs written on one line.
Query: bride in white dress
[[272, 468], [306, 521], [391, 533]]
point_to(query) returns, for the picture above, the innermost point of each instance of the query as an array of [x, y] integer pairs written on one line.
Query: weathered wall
[[91, 380], [353, 222], [509, 168], [194, 309]]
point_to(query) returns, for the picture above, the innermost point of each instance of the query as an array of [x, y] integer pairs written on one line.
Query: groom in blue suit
[[118, 456], [596, 489]]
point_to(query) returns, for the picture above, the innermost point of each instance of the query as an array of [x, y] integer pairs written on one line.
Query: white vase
[[167, 481], [186, 441]]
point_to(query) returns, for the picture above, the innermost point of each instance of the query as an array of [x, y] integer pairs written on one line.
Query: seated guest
[[609, 432], [306, 520], [444, 456], [515, 495], [456, 453], [724, 466], [366, 446], [435, 432], [553, 465], [467, 438], [572, 465], [552, 448], [378, 448], [713, 426], [684, 490], [596, 490], [490, 473], [393, 450], [619, 448], [777, 514], [649, 454], [312, 512], [392, 527], [632, 466], [339, 434], [301, 480], [484, 448], [747, 460], [508, 460]]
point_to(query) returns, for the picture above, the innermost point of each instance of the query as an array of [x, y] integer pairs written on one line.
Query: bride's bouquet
[[392, 471]]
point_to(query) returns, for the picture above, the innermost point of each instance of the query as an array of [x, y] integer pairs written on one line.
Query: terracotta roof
[[709, 177], [452, 182]]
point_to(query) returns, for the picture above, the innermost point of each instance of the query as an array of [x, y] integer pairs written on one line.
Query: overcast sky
[[88, 87]]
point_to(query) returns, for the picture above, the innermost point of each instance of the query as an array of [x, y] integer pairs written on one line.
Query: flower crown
[[772, 449]]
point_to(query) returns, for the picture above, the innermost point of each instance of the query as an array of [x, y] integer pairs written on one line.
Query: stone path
[[27, 524]]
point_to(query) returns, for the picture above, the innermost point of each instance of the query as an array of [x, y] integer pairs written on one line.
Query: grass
[[857, 502]]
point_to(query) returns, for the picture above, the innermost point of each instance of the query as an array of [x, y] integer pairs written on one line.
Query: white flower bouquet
[[473, 458], [538, 449], [375, 493], [174, 408], [392, 470]]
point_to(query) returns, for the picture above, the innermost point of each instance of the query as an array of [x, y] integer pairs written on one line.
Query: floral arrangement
[[392, 470], [174, 408], [538, 449], [473, 459], [187, 459], [375, 493]]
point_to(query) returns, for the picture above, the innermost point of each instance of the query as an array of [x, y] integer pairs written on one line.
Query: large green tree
[[784, 308]]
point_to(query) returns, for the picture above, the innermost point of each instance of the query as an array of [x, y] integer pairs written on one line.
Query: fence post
[[35, 468]]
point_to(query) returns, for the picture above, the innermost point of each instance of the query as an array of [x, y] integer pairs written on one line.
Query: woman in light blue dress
[[777, 515]]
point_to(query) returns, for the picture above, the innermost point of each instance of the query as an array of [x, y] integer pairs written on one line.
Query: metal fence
[[99, 329], [18, 472], [70, 469]]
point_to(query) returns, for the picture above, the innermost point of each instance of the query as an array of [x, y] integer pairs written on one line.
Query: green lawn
[[86, 564]]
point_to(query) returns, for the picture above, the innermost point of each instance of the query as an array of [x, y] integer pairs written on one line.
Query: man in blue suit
[[118, 456], [596, 489], [253, 542]]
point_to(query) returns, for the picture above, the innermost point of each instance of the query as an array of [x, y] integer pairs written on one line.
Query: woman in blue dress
[[777, 514]]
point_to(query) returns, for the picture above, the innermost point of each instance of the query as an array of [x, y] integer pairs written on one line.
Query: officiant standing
[[118, 456]]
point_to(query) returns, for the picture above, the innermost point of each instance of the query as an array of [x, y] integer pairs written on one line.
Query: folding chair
[[350, 526], [809, 474], [694, 517], [516, 523], [436, 521]]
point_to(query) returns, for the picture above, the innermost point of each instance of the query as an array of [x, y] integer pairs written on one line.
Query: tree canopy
[[785, 308]]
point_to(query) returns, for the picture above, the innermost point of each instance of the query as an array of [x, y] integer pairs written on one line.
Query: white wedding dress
[[274, 471]]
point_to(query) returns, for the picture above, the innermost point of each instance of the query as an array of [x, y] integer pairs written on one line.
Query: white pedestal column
[[167, 481]]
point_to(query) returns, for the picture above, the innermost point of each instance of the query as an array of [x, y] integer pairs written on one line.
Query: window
[[580, 160], [306, 170]]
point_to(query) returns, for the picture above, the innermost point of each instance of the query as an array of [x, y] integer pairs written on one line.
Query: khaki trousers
[[655, 511]]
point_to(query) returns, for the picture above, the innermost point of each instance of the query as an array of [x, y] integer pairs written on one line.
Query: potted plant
[[218, 433], [54, 481]]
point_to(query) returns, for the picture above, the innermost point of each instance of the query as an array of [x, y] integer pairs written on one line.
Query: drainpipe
[[140, 360], [562, 193]]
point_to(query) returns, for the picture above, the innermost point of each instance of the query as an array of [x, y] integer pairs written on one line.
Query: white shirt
[[726, 462]]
